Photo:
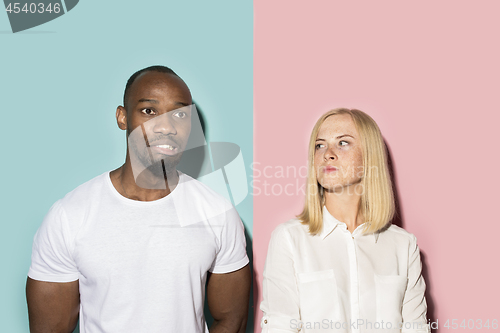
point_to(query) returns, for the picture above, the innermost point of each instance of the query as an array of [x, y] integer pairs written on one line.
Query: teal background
[[60, 84]]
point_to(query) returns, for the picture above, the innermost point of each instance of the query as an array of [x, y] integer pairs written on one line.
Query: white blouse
[[342, 282]]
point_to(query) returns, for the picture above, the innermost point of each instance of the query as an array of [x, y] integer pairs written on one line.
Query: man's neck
[[147, 187]]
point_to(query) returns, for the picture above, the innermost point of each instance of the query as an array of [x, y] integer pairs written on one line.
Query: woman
[[341, 266]]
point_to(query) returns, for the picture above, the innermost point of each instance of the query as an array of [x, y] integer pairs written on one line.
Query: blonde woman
[[341, 266]]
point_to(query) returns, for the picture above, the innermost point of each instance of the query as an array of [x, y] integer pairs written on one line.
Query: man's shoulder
[[198, 202], [202, 191], [85, 193], [72, 209]]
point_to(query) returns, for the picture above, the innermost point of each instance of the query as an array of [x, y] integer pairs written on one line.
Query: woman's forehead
[[337, 125]]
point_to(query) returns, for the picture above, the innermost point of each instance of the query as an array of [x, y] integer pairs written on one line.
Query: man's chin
[[170, 162], [160, 164], [153, 177]]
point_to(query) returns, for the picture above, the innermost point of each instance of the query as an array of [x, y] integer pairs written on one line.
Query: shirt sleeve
[[51, 258], [414, 304], [232, 254], [280, 294]]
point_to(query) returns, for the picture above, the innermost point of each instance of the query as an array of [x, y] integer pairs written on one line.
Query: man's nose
[[164, 124]]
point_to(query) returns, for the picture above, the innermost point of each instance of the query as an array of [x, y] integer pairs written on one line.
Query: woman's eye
[[148, 111], [180, 114], [343, 143], [319, 145]]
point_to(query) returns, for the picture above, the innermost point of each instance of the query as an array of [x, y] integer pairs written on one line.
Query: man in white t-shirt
[[132, 249]]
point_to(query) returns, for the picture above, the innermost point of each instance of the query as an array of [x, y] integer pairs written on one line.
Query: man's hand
[[52, 306], [228, 296]]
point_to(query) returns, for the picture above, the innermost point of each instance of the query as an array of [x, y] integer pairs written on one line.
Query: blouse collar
[[330, 223]]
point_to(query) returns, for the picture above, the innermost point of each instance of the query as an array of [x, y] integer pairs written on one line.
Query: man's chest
[[112, 250]]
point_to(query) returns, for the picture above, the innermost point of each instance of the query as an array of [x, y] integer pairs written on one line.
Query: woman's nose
[[330, 154]]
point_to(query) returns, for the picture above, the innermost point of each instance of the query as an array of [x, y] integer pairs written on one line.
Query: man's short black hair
[[157, 68]]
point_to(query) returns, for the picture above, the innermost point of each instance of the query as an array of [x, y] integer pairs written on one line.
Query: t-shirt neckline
[[111, 187]]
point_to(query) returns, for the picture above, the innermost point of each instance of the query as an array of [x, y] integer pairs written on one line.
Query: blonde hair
[[377, 200]]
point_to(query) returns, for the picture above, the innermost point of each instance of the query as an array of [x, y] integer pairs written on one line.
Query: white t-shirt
[[141, 266]]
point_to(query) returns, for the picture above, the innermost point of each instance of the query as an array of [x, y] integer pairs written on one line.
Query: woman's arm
[[280, 293], [414, 305]]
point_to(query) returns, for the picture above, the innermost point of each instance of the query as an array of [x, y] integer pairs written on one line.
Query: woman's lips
[[329, 169]]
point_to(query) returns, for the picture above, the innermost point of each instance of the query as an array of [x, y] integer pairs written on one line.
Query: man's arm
[[228, 296], [52, 306]]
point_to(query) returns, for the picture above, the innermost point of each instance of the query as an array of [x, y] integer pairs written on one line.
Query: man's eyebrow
[[147, 100], [154, 101]]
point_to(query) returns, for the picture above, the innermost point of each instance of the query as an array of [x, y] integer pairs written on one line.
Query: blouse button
[[265, 321]]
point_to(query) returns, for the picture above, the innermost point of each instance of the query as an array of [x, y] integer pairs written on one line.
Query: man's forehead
[[157, 78], [151, 82]]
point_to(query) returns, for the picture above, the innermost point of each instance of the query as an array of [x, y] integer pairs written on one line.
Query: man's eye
[[148, 111], [180, 114]]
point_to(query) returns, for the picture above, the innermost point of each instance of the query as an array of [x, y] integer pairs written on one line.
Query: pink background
[[428, 72]]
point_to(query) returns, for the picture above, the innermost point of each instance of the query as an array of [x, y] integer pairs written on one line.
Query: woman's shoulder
[[397, 233], [289, 228]]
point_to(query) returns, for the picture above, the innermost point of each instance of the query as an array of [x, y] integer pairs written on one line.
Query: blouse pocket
[[318, 296], [390, 291]]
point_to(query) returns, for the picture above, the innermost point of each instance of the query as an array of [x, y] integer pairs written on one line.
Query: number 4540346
[[471, 324], [33, 8]]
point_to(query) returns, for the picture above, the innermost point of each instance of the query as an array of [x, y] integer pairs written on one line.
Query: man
[[131, 250]]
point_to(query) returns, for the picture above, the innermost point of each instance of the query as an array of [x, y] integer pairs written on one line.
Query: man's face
[[158, 119]]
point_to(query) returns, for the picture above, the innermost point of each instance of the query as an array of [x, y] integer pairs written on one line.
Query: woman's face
[[338, 157]]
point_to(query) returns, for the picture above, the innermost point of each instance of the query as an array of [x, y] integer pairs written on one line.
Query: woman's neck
[[344, 206]]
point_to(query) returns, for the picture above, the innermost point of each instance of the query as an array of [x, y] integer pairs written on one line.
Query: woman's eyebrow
[[338, 137], [343, 135]]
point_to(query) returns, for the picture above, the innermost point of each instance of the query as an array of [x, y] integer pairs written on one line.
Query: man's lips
[[164, 149], [163, 142]]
